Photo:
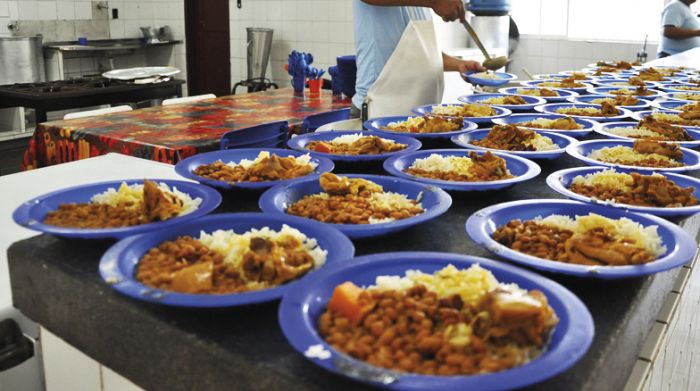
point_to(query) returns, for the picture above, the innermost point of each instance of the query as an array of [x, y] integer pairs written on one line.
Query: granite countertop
[[56, 283]]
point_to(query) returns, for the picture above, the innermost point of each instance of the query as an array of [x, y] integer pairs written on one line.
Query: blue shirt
[[679, 15], [377, 32]]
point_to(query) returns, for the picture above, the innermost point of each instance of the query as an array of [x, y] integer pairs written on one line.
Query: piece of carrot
[[322, 147], [346, 301]]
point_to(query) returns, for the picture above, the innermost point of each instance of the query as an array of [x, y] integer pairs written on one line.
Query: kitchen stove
[[83, 92]]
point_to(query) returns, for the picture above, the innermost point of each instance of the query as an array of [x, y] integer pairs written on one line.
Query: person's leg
[[354, 112]]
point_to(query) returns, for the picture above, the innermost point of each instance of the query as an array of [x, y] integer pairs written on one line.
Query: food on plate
[[355, 144], [465, 110], [354, 201], [426, 124], [684, 118], [651, 74], [128, 206], [578, 76], [505, 100], [686, 96], [624, 65], [486, 75], [471, 168], [636, 81], [619, 100], [639, 91], [585, 240], [644, 153], [224, 261], [690, 111], [513, 138], [451, 322], [265, 167], [606, 110], [686, 88], [565, 123], [653, 190], [543, 92], [568, 82], [651, 129]]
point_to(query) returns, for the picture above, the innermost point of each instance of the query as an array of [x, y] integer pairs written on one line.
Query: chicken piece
[[507, 137], [668, 131], [440, 124], [373, 145], [488, 165], [672, 151], [269, 263], [625, 100], [642, 91], [690, 111], [608, 109], [597, 247], [567, 123], [196, 278], [514, 100], [340, 185], [159, 206], [548, 92], [636, 81]]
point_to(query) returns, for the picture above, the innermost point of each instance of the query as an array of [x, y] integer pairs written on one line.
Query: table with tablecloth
[[170, 133]]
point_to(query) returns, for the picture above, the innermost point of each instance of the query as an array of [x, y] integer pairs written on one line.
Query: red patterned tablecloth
[[170, 133]]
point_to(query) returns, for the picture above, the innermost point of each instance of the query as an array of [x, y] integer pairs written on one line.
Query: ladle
[[490, 63]]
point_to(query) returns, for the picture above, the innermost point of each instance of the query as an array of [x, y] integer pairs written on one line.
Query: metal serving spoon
[[490, 63]]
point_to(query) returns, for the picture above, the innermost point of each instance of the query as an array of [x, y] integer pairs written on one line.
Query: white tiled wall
[[33, 10], [548, 55], [321, 27]]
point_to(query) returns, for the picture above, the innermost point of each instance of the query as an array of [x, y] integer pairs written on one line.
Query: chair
[[255, 136], [314, 121], [187, 99], [92, 113]]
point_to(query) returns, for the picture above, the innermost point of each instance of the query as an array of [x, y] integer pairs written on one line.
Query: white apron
[[413, 76]]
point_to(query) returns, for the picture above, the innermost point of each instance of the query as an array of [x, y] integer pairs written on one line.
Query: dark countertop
[[55, 282], [100, 45]]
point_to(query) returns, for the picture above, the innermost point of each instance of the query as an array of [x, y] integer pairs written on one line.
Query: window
[[611, 20]]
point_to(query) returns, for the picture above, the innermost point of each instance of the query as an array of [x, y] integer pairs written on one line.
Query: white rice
[[351, 138], [623, 153], [303, 160], [133, 194], [439, 163], [410, 122], [541, 143], [485, 75], [632, 131], [609, 179], [686, 96], [647, 237], [532, 91], [233, 246], [544, 122]]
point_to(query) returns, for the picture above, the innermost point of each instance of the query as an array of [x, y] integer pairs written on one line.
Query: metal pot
[[21, 60]]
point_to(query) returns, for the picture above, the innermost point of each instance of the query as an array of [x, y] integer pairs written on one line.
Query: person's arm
[[451, 64], [448, 10], [674, 32]]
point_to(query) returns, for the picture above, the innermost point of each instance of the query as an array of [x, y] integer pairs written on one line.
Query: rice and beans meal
[[644, 153], [471, 168], [619, 100], [569, 82], [653, 190], [542, 92], [505, 100], [606, 109], [451, 322], [651, 129], [130, 205], [689, 115], [465, 110], [564, 123], [265, 167], [585, 240], [356, 144], [354, 201], [513, 138], [224, 261]]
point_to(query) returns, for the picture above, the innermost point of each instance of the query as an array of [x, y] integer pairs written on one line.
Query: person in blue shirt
[[681, 29], [379, 25]]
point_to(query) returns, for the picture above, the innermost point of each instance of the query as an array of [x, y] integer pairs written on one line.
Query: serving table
[[170, 133], [55, 282]]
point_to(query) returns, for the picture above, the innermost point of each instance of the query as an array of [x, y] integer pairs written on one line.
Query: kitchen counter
[[55, 282], [100, 45]]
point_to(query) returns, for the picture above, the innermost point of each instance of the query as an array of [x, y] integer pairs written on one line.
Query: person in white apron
[[399, 65]]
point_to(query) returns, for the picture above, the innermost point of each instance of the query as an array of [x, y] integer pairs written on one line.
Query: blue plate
[[675, 96], [680, 246], [299, 143], [532, 101], [538, 83], [639, 115], [621, 82], [118, 264], [678, 87], [552, 108], [604, 130], [464, 140], [377, 125], [503, 78], [580, 151], [560, 181], [563, 94], [434, 200], [522, 169], [32, 213], [588, 125], [562, 75], [187, 166], [641, 105], [301, 308], [428, 110], [670, 105], [606, 91]]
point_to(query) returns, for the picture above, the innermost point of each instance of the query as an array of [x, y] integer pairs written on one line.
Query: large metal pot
[[21, 60]]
